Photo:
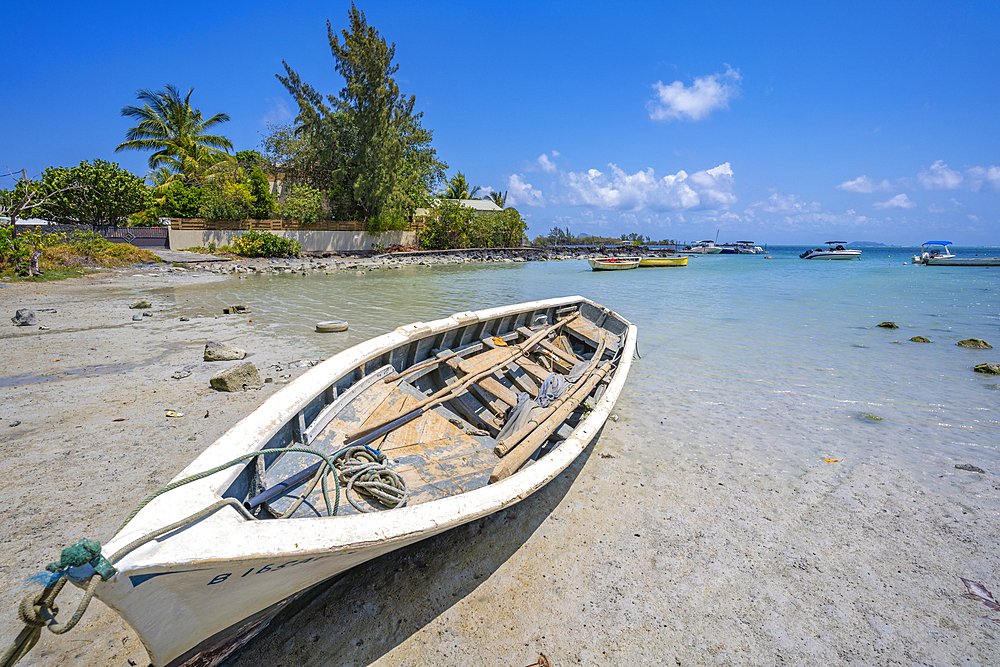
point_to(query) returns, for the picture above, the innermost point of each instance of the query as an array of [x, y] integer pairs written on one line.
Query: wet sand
[[626, 558]]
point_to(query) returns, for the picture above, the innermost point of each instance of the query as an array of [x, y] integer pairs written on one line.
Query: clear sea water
[[777, 359]]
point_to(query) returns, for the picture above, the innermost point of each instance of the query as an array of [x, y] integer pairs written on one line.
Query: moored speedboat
[[937, 253], [703, 248], [202, 565], [834, 250], [614, 263]]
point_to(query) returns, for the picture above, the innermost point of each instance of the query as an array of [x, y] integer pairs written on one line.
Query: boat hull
[[658, 262], [835, 254], [615, 264], [962, 261], [197, 594]]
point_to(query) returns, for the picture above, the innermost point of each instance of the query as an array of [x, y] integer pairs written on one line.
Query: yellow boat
[[656, 262]]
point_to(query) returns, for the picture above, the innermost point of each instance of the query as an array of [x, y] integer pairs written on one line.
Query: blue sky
[[777, 122]]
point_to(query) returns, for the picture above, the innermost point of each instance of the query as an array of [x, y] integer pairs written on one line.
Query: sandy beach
[[626, 559]]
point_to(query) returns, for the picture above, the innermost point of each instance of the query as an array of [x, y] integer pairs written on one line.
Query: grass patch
[[50, 276], [81, 252]]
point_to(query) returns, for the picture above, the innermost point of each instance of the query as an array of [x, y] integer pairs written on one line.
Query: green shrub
[[302, 203], [180, 201], [260, 191], [226, 199], [451, 225], [16, 251], [264, 244], [98, 193]]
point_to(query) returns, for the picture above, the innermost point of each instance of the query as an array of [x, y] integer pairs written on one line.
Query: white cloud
[[974, 218], [786, 205], [546, 164], [940, 177], [983, 178], [899, 201], [644, 190], [864, 184], [519, 192], [278, 114], [675, 101]]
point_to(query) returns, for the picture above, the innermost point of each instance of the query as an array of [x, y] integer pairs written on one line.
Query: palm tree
[[499, 198], [176, 131], [458, 188]]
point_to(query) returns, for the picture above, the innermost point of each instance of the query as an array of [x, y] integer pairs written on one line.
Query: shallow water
[[772, 362]]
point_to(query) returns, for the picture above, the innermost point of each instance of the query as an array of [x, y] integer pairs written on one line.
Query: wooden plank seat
[[435, 455]]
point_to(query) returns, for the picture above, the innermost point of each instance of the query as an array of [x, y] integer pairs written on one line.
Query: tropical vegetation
[[177, 133], [264, 244], [452, 225], [365, 147], [459, 188]]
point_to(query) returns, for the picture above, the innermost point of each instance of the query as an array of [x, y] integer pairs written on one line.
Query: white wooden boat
[[937, 253], [660, 262], [221, 564], [833, 250], [614, 263]]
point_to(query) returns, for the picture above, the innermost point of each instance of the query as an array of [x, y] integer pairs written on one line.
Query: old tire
[[331, 326]]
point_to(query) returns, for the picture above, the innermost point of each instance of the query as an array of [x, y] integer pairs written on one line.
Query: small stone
[[24, 317], [870, 417], [920, 339], [975, 344], [141, 303], [185, 319], [970, 468], [147, 314], [238, 378], [889, 325], [988, 368], [15, 423], [43, 328], [235, 310], [137, 318], [268, 380], [215, 351], [181, 374]]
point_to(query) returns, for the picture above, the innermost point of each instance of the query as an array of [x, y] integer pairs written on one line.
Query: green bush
[[260, 190], [302, 203], [451, 225], [264, 244], [180, 201], [225, 199], [16, 251], [98, 193]]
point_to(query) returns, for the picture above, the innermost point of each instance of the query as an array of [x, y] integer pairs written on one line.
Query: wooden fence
[[201, 224]]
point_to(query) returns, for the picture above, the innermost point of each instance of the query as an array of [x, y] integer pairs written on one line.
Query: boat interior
[[438, 416]]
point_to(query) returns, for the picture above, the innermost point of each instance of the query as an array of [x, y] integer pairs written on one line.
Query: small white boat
[[833, 250], [203, 565], [748, 248], [614, 263], [703, 248], [937, 253]]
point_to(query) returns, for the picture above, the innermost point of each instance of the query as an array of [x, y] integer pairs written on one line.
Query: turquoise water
[[743, 357]]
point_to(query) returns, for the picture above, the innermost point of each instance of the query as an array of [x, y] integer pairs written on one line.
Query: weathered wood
[[567, 357], [450, 391], [516, 457], [511, 441], [536, 372], [490, 384]]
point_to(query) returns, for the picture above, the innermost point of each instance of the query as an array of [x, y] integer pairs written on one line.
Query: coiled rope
[[359, 467]]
